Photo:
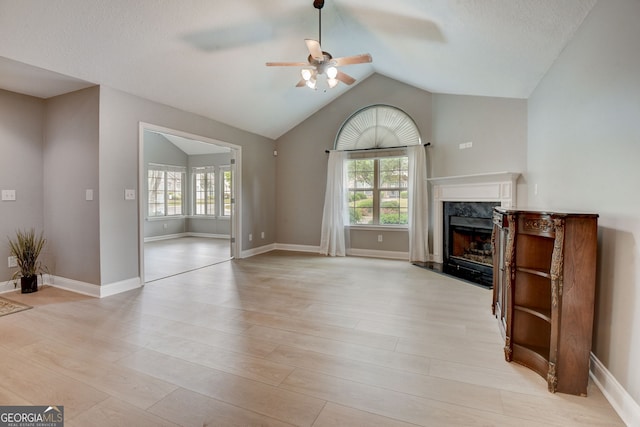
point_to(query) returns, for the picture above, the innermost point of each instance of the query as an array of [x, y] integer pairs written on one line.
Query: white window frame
[[223, 191], [165, 169], [376, 189], [209, 171]]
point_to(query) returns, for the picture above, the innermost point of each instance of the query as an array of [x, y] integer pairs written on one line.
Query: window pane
[[360, 173], [200, 188], [174, 192], [394, 172], [210, 194], [393, 207], [378, 190], [360, 207], [226, 195], [156, 193]]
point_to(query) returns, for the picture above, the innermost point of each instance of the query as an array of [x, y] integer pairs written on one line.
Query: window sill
[[207, 217], [165, 218]]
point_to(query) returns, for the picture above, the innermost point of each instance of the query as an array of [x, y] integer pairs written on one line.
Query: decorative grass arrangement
[[27, 247]]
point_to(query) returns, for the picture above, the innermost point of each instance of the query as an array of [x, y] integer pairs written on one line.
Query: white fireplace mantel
[[486, 187]]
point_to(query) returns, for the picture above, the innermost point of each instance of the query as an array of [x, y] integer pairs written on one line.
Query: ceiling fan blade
[[314, 49], [345, 78], [287, 64], [355, 59]]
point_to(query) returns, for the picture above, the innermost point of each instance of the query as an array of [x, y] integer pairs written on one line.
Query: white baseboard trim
[[83, 288], [298, 248], [188, 234], [164, 237], [209, 235], [627, 408], [350, 252], [7, 287], [257, 251], [96, 291], [119, 287]]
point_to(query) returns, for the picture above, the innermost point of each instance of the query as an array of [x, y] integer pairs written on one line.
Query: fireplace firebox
[[467, 241]]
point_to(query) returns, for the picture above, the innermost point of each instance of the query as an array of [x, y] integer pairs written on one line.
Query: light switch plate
[[129, 194], [88, 194], [8, 195]]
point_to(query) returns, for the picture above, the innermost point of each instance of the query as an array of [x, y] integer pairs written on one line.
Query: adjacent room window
[[165, 190], [377, 192], [204, 194], [225, 178]]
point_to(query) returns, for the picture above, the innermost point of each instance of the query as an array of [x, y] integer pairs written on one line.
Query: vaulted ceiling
[[208, 57]]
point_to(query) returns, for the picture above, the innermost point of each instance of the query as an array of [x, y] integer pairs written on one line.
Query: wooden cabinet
[[544, 290]]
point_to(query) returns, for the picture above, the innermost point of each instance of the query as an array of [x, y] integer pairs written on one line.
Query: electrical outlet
[[13, 262], [250, 237], [262, 235], [9, 195], [379, 237]]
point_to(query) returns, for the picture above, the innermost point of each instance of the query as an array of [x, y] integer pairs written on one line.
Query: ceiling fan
[[320, 62]]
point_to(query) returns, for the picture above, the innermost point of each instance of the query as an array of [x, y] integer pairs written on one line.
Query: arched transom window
[[377, 126]]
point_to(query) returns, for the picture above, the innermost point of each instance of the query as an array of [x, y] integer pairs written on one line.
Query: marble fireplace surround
[[486, 187]]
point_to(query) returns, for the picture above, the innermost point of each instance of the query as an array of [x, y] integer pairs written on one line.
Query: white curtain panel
[[418, 204], [332, 241]]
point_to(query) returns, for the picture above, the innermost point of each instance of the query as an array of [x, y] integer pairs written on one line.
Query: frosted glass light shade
[[306, 73]]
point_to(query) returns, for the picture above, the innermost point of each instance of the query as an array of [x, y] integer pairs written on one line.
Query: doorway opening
[[189, 210]]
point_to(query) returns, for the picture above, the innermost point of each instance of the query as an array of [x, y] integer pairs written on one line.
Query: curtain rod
[[427, 144]]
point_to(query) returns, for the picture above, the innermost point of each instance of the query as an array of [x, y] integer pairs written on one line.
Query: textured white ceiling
[[208, 57]]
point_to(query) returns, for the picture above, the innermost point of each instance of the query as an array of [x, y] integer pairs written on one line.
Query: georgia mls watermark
[[31, 416]]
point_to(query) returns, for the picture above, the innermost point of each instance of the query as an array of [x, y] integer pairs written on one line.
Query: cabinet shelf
[[546, 328], [535, 358], [544, 314], [541, 273]]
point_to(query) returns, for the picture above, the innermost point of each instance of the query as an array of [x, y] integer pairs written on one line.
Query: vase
[[29, 284]]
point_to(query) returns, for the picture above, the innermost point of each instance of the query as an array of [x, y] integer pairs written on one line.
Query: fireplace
[[467, 241], [472, 224]]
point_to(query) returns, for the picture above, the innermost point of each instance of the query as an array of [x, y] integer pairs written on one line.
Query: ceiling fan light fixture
[[311, 83], [321, 62], [306, 73]]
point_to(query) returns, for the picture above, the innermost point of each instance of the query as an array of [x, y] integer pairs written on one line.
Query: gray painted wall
[[21, 136], [496, 126], [302, 161], [70, 168], [120, 114], [584, 146]]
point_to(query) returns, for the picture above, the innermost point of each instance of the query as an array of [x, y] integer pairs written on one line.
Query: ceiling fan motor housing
[[318, 4]]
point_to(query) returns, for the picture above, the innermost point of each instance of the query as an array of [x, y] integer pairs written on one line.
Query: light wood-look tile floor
[[164, 258], [280, 339]]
